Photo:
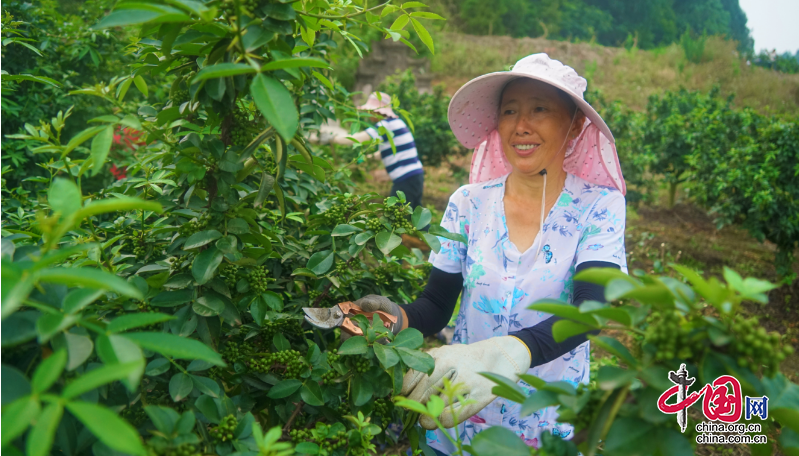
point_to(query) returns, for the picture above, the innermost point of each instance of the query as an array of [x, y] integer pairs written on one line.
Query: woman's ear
[[577, 125]]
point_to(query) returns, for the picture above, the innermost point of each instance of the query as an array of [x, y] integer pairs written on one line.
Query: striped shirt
[[405, 163]]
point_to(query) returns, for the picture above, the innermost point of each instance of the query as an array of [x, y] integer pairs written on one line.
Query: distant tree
[[738, 29]]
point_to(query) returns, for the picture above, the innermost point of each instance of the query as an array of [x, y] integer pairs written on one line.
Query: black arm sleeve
[[431, 312], [538, 338]]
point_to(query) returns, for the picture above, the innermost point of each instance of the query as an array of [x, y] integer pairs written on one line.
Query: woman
[[546, 200], [403, 167]]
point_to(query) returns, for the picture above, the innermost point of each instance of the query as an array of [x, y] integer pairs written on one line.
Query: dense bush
[[166, 306], [784, 63], [428, 115], [58, 53], [663, 322]]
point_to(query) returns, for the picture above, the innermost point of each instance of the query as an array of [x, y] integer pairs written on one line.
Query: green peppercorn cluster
[[235, 351], [145, 307], [360, 365], [340, 212], [300, 435], [399, 215], [194, 225], [185, 449], [330, 376], [325, 302], [215, 373], [328, 443], [224, 431], [383, 409], [291, 361], [135, 415], [230, 272], [672, 338], [211, 163], [754, 347], [179, 96], [242, 130], [374, 224], [285, 326], [382, 275], [257, 277], [247, 7], [425, 269], [139, 244]]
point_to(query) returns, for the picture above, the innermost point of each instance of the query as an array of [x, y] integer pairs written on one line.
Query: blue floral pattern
[[586, 224]]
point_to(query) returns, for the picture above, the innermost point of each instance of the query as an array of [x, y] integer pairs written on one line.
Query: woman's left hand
[[506, 356]]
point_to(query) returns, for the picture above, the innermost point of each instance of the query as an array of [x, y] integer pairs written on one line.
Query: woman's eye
[[539, 109], [508, 112]]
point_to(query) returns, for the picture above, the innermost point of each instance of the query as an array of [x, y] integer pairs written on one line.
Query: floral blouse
[[499, 283]]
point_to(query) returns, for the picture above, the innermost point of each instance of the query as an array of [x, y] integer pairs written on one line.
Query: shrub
[[167, 304], [663, 323]]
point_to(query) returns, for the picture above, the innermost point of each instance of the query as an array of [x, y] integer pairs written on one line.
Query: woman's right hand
[[373, 303]]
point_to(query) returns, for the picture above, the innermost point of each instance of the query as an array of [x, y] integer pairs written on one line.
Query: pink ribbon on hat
[[591, 157]]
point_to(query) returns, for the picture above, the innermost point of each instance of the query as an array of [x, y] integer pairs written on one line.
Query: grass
[[630, 76]]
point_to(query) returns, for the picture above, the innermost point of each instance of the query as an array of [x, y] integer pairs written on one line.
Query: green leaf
[[206, 385], [276, 104], [400, 23], [180, 386], [601, 276], [355, 345], [362, 390], [205, 265], [563, 310], [201, 238], [408, 338], [97, 378], [387, 241], [417, 360], [284, 389], [312, 394], [438, 230], [122, 17], [121, 204], [628, 435], [295, 63], [563, 329], [321, 262], [157, 367], [40, 439], [90, 278], [17, 416], [112, 430], [424, 35], [227, 244], [614, 347], [48, 371], [267, 183], [508, 387], [175, 346], [64, 197], [164, 418], [307, 448], [427, 15], [101, 145], [115, 349], [222, 70], [77, 299], [80, 138], [386, 355], [141, 85], [432, 241], [208, 306], [136, 320], [421, 217], [171, 298], [207, 406], [497, 440], [612, 377], [344, 229]]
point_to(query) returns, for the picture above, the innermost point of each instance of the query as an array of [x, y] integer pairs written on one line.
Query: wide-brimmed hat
[[473, 117], [380, 103]]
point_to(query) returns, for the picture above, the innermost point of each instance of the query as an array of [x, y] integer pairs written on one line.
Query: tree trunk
[[672, 194]]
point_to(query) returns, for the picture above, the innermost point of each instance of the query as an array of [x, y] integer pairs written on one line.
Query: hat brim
[[474, 108]]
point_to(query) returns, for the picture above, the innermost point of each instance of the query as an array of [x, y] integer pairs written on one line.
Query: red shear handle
[[351, 309]]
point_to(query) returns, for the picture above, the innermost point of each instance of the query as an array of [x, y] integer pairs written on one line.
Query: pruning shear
[[339, 316]]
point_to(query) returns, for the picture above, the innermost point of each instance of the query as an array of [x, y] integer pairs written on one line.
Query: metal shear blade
[[324, 318]]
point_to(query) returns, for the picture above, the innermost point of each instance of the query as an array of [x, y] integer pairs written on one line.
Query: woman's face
[[534, 122]]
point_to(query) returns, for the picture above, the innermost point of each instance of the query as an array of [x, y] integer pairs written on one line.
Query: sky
[[773, 24]]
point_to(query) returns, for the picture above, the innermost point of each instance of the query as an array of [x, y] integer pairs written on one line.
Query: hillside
[[630, 76]]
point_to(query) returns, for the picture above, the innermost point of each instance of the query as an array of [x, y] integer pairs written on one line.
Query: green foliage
[[650, 24], [664, 322], [428, 114], [163, 310]]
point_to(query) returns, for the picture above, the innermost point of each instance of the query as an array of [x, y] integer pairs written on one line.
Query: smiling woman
[[539, 137]]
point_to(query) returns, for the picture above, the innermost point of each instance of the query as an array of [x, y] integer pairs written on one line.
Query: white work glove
[[461, 363], [373, 303]]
